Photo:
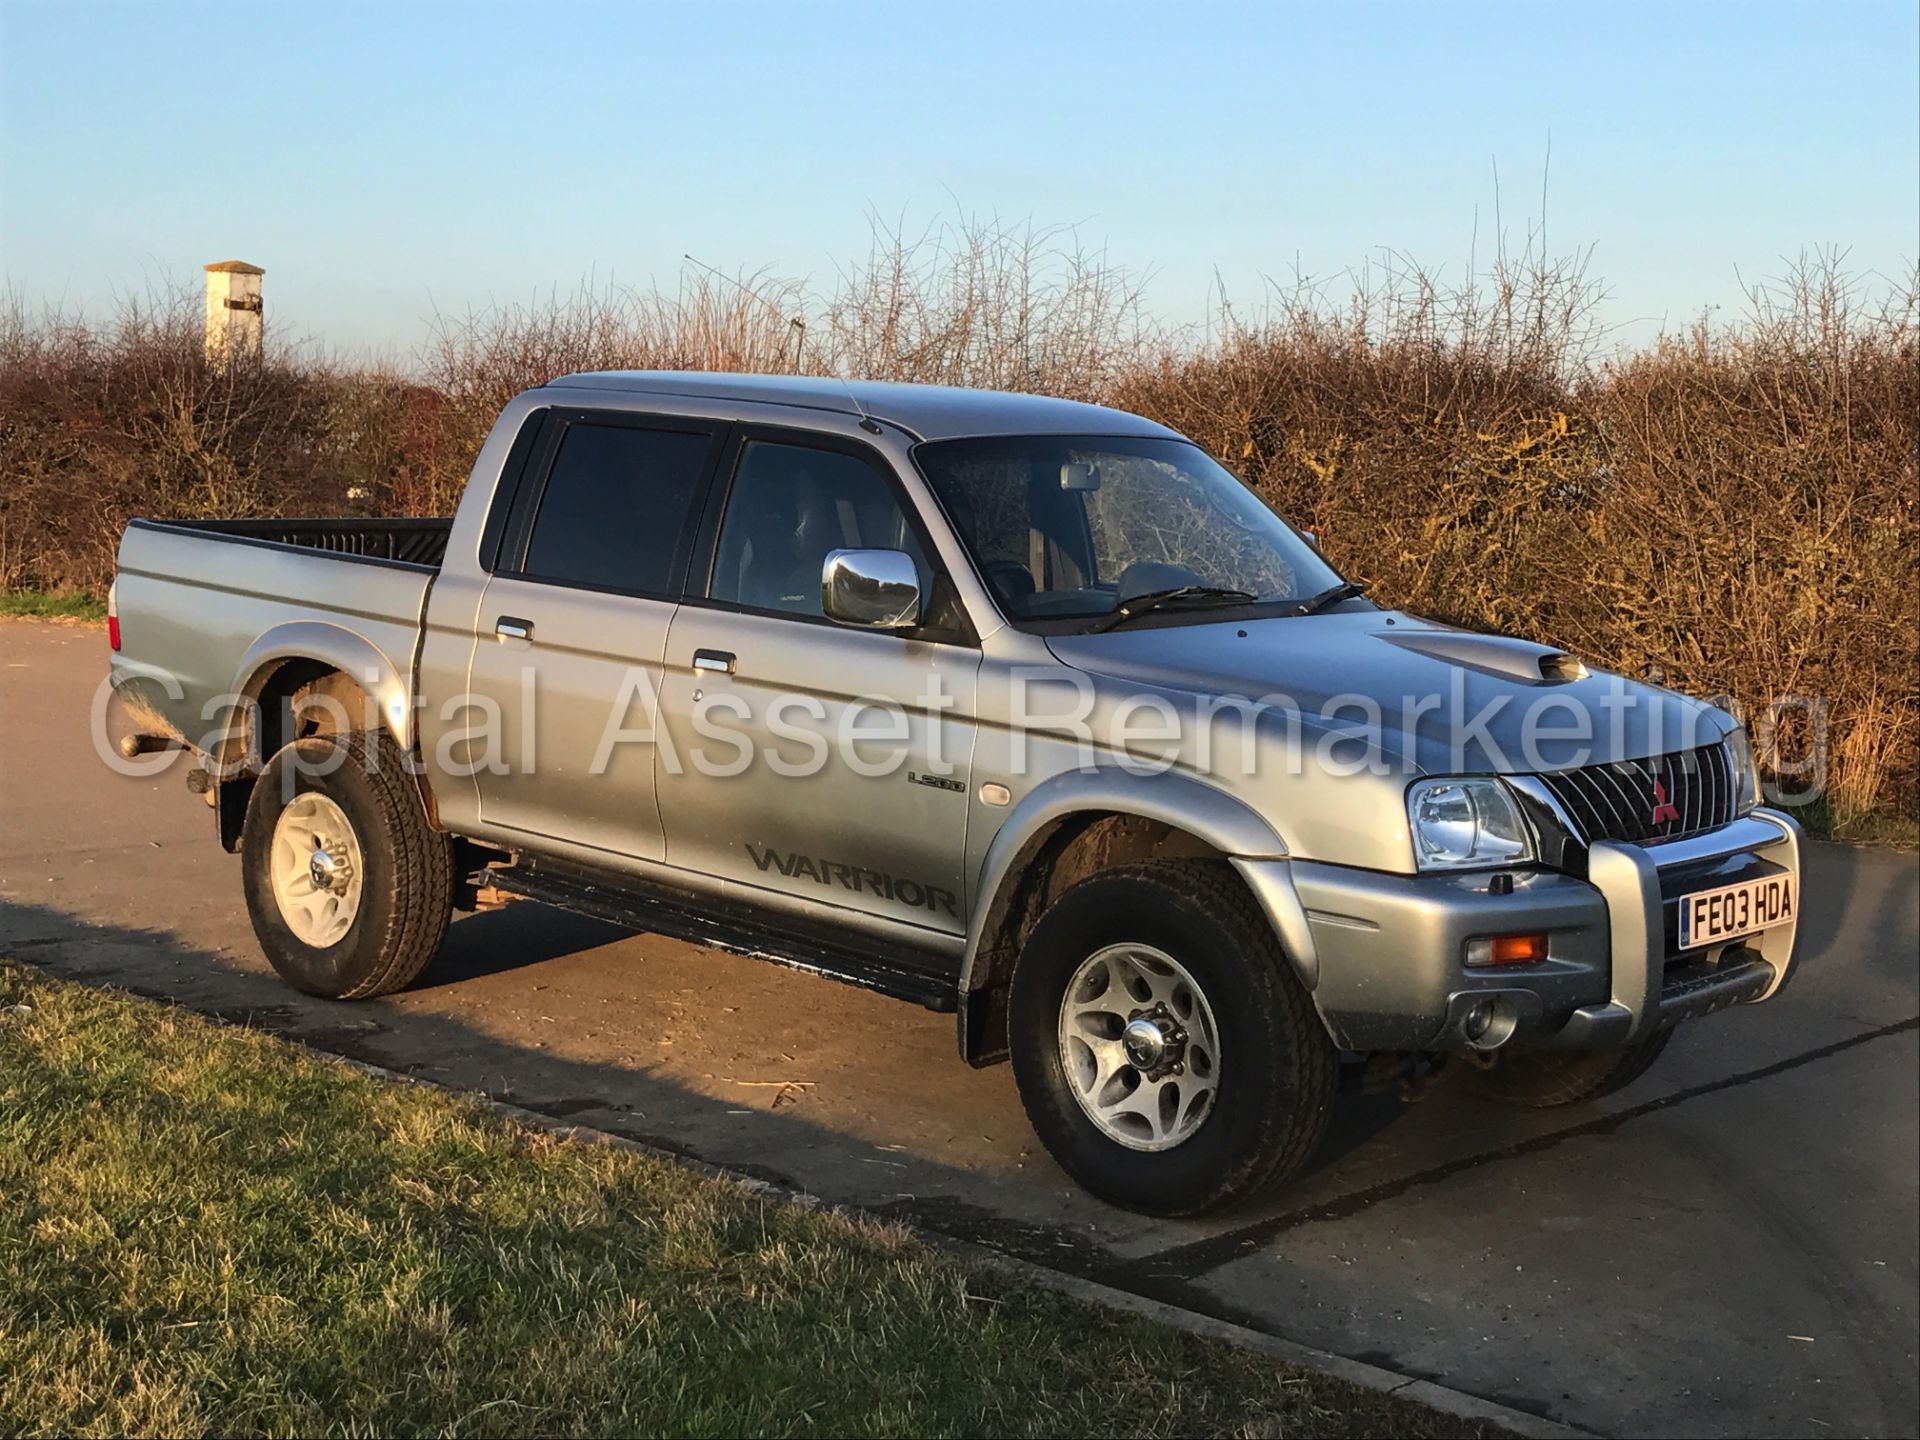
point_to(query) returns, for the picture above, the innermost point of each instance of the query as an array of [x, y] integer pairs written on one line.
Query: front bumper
[[1385, 955]]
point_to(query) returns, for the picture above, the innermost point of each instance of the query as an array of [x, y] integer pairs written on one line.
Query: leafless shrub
[[985, 304], [97, 425], [1759, 522]]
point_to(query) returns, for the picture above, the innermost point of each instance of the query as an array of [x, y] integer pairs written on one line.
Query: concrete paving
[[1728, 1247]]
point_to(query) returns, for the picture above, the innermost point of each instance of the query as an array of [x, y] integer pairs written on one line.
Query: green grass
[[40, 604], [207, 1230]]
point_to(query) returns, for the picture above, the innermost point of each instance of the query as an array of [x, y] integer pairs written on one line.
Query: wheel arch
[[309, 649], [305, 655], [1072, 826]]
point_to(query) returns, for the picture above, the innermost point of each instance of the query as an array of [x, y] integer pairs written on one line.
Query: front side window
[[790, 505], [615, 506], [1067, 529]]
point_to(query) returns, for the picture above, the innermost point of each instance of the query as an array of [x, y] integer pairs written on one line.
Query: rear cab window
[[615, 507]]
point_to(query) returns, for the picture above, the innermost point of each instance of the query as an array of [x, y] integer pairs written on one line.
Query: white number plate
[[1712, 916]]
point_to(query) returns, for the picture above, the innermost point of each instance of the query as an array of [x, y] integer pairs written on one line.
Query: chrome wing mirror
[[870, 589]]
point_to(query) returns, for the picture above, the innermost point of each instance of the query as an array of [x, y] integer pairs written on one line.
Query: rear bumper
[[1385, 955]]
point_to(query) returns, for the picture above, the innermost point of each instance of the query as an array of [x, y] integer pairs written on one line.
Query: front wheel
[[348, 887], [1166, 1054]]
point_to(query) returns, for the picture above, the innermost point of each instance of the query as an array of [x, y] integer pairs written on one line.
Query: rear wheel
[[1544, 1079], [348, 887], [1166, 1054]]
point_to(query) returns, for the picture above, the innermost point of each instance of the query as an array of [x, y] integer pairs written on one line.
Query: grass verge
[[1876, 827], [208, 1230], [43, 606]]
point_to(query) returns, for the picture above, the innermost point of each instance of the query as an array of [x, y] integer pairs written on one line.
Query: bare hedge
[[1731, 509]]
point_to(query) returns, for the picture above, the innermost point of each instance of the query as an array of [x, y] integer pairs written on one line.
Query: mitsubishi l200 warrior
[[1017, 708]]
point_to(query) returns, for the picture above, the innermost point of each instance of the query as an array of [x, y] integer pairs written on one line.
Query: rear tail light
[[1507, 950], [113, 616]]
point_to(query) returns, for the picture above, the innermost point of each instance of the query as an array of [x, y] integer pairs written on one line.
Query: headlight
[[1465, 824], [1746, 771]]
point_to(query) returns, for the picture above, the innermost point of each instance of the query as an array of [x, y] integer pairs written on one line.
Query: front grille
[[1618, 801]]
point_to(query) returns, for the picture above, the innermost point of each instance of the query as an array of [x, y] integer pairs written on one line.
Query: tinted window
[[615, 505], [789, 506]]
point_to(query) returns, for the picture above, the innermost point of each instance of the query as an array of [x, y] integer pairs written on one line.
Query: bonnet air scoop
[[1520, 660]]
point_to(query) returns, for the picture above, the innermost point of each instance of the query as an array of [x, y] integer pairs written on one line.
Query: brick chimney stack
[[233, 311]]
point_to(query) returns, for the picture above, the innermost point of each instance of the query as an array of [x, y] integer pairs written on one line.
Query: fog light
[[1488, 1024], [1507, 950]]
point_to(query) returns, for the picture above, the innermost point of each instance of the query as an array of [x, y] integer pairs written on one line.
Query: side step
[[924, 977]]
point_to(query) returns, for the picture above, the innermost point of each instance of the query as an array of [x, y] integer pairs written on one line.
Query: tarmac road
[[1726, 1248]]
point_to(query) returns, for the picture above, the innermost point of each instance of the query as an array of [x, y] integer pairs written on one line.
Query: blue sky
[[382, 160]]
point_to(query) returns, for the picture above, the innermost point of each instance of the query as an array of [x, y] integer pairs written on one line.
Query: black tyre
[[348, 887], [1167, 1055], [1543, 1079]]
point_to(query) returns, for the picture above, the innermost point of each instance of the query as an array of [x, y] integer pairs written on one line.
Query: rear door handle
[[512, 627], [718, 660]]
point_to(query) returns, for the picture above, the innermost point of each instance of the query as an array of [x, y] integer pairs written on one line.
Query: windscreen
[[1069, 528]]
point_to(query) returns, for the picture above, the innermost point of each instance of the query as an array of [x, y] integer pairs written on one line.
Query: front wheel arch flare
[[1180, 817]]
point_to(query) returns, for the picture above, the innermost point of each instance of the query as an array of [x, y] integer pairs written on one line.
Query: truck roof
[[931, 412]]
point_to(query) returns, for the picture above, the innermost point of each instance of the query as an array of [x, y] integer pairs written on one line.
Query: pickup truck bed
[[204, 593], [408, 541]]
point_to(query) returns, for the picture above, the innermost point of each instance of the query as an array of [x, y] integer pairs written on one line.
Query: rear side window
[[615, 507]]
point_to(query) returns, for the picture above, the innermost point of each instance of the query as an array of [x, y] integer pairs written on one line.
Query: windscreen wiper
[[1179, 597], [1345, 590]]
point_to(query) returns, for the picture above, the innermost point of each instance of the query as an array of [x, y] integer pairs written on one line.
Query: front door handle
[[512, 627], [721, 661]]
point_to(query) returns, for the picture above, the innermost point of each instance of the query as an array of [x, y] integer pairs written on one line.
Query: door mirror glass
[[871, 589]]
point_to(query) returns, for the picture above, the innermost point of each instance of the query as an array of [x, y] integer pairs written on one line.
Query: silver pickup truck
[[1014, 707]]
